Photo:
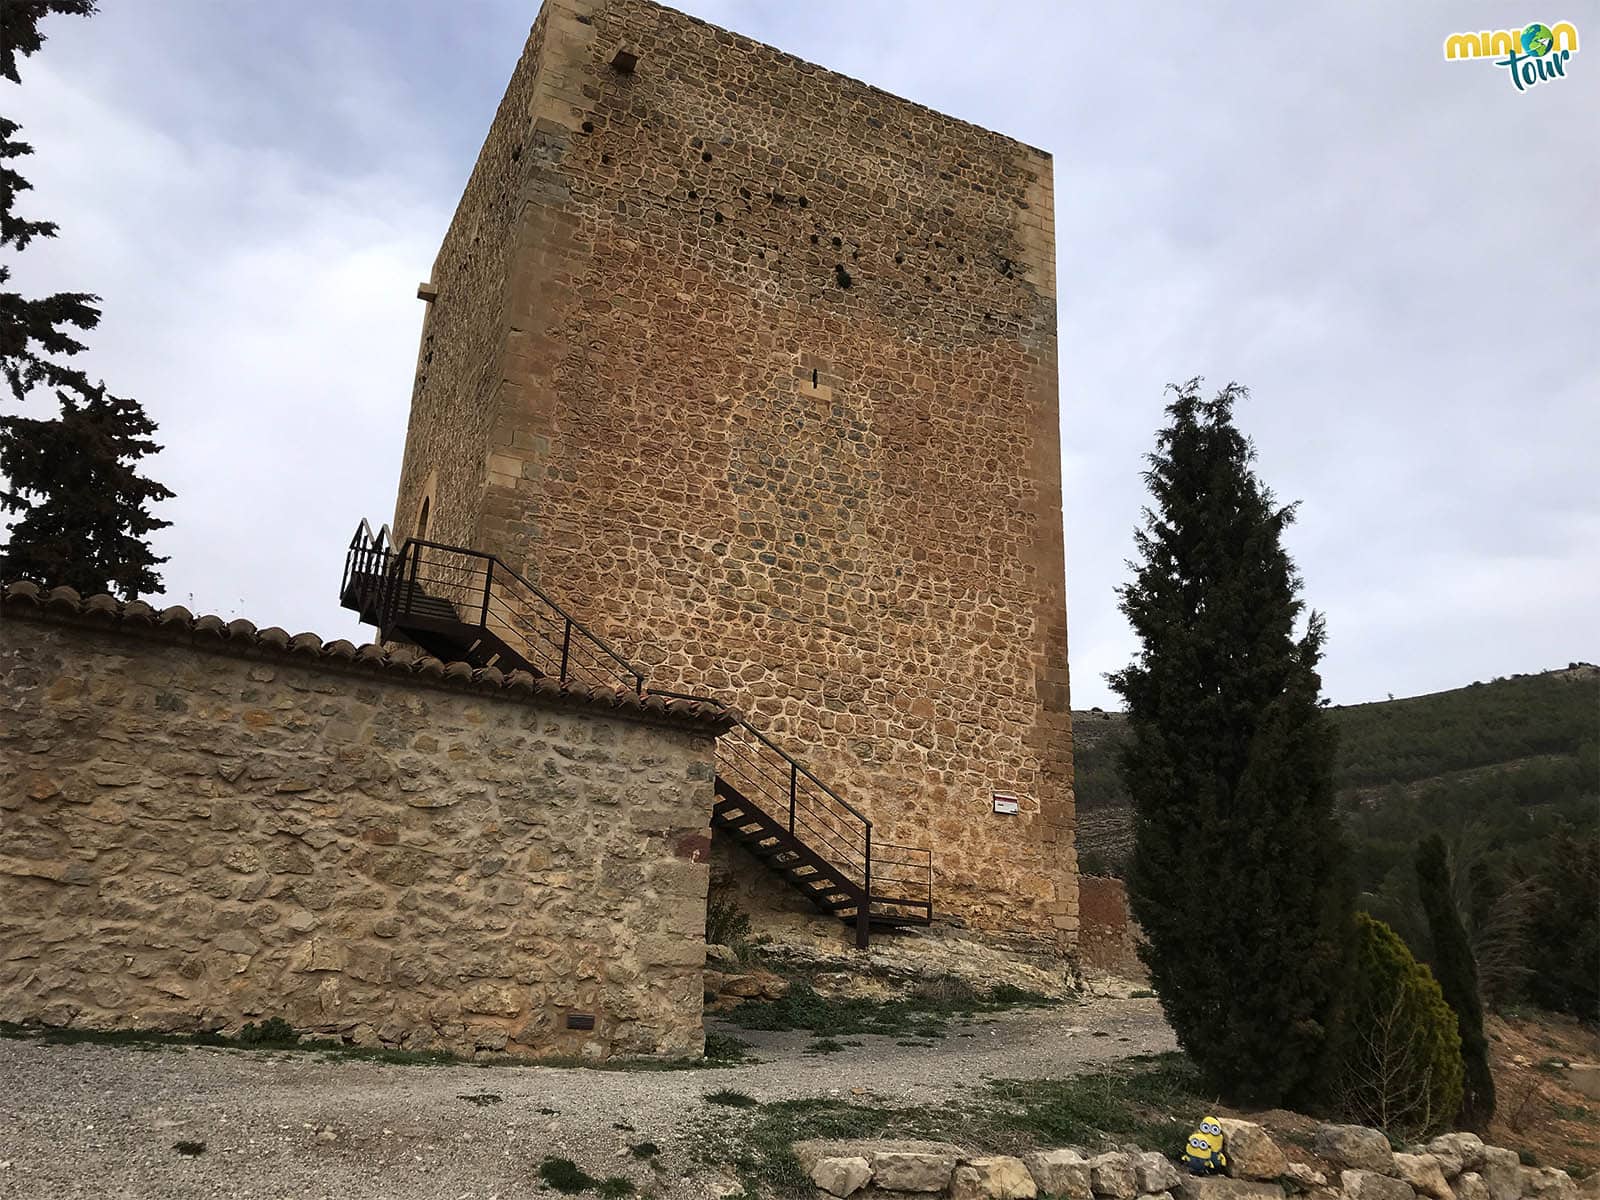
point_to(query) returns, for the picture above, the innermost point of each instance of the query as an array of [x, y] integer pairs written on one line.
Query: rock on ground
[[1111, 1175], [1370, 1185], [841, 1176], [997, 1177], [913, 1170], [1153, 1172], [1457, 1152], [1423, 1173], [1060, 1173], [1502, 1173], [1355, 1147], [1220, 1187], [1547, 1183], [1252, 1154]]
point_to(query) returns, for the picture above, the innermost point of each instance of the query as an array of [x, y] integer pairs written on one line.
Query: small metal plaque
[[1007, 804], [580, 1020]]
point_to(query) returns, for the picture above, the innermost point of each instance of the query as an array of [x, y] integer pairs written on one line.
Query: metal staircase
[[465, 605]]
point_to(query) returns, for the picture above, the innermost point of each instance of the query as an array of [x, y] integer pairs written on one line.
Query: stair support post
[[794, 780], [566, 649], [488, 589], [864, 909]]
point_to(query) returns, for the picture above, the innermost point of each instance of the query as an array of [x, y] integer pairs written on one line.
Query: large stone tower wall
[[754, 367]]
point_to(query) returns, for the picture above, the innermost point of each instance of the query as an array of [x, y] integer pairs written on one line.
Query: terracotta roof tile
[[27, 601]]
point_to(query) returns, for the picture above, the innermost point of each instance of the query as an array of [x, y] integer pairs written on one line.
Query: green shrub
[[564, 1175], [726, 923], [1396, 1050], [1458, 980], [274, 1032]]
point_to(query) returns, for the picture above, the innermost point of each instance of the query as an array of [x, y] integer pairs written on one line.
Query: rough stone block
[[1547, 1183], [1355, 1147], [997, 1177], [1220, 1187], [913, 1170], [1252, 1154], [1422, 1172], [1502, 1173], [1111, 1176], [1370, 1185], [1154, 1173], [1062, 1173], [1456, 1152], [841, 1176]]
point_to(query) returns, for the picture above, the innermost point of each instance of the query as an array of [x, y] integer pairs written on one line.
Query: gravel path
[[101, 1121]]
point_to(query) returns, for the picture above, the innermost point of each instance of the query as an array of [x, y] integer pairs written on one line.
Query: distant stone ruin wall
[[1108, 936], [205, 826]]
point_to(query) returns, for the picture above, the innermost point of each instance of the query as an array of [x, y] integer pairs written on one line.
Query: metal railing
[[427, 590]]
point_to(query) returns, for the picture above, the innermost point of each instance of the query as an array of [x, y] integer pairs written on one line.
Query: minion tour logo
[[1532, 55]]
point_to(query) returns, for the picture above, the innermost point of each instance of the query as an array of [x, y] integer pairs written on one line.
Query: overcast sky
[[1399, 255]]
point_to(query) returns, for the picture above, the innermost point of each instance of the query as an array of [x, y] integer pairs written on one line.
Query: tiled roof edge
[[25, 600]]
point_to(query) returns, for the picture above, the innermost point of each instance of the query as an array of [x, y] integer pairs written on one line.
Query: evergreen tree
[[1395, 1059], [83, 509], [1236, 876], [1457, 973], [1565, 926]]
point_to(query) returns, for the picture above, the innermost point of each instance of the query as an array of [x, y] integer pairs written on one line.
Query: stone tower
[[753, 367]]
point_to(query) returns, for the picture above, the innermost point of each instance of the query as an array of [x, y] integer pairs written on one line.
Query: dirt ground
[[103, 1121], [1538, 1110]]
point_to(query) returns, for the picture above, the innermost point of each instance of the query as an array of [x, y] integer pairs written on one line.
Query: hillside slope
[[1520, 751]]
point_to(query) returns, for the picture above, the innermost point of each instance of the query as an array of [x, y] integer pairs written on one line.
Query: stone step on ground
[[1454, 1166]]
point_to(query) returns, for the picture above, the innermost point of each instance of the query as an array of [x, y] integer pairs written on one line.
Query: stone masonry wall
[[1108, 936], [201, 826], [460, 363], [778, 418]]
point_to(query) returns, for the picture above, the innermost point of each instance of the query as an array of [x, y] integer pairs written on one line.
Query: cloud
[[1396, 253]]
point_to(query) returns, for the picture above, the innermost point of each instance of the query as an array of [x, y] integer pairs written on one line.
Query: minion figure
[[1202, 1154]]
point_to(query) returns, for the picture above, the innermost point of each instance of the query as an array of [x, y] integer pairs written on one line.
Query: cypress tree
[[1235, 877], [1457, 973], [82, 507]]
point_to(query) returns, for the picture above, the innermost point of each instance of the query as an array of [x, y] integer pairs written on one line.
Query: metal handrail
[[401, 569], [395, 575], [599, 642]]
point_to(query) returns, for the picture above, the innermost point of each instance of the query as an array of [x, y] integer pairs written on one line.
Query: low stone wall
[[202, 824], [1108, 937], [1355, 1163]]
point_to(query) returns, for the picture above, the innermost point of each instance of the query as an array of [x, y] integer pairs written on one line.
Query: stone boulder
[[1252, 1154], [1456, 1152], [1469, 1185], [1371, 1185], [1548, 1183], [912, 1170], [840, 1175], [1304, 1177], [1423, 1173], [1355, 1148], [1153, 1173], [997, 1177], [1061, 1173], [1111, 1175], [1502, 1173], [1585, 1077], [1220, 1187]]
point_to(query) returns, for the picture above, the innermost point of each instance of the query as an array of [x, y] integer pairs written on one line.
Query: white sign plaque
[[1005, 802]]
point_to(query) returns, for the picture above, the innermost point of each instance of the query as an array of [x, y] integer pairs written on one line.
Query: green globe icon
[[1537, 39]]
